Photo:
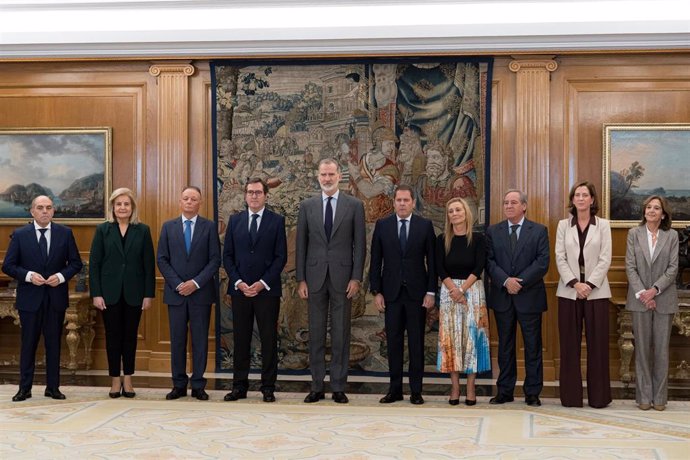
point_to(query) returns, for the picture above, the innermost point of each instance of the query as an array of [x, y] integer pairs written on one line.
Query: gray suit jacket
[[343, 256], [644, 271]]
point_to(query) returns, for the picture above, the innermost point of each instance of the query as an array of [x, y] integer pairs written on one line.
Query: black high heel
[[128, 394], [114, 394], [470, 402], [454, 402]]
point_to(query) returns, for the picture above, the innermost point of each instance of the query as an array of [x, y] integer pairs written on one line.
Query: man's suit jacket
[[111, 266], [201, 264], [597, 254], [529, 261], [645, 271], [342, 258], [262, 260], [24, 255], [389, 268]]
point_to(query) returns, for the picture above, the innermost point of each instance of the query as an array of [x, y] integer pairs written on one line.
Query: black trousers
[[265, 310], [121, 323], [405, 314], [49, 322]]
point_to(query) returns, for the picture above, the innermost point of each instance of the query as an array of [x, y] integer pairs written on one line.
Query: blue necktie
[[328, 219], [403, 234], [253, 229], [43, 243], [188, 235]]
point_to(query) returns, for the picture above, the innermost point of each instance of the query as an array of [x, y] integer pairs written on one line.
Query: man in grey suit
[[188, 258], [331, 246]]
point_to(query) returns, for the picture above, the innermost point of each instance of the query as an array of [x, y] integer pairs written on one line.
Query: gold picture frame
[[643, 159], [71, 165]]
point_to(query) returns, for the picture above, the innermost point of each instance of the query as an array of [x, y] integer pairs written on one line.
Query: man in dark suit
[[517, 260], [330, 252], [402, 278], [42, 257], [254, 255], [188, 258]]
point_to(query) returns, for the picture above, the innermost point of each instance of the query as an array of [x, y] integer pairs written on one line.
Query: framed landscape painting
[[641, 160], [70, 165]]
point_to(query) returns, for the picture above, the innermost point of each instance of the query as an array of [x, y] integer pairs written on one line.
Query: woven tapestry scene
[[386, 123]]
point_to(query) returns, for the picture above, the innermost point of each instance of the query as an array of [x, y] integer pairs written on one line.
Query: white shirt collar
[[260, 212], [522, 221], [193, 219], [324, 197], [37, 227], [408, 218]]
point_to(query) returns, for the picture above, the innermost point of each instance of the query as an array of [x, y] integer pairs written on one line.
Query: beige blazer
[[597, 253], [644, 271]]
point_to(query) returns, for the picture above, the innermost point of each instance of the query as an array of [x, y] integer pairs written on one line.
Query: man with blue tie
[[42, 257], [402, 278], [254, 255], [517, 261], [188, 259]]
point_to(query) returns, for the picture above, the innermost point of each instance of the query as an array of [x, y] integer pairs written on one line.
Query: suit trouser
[[327, 300], [652, 331], [121, 322], [244, 310], [530, 325], [595, 314], [198, 317], [405, 313], [49, 322]]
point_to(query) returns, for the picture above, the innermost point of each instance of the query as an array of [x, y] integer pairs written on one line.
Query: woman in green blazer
[[122, 275]]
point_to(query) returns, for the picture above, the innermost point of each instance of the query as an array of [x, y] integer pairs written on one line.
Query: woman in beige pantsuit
[[651, 263]]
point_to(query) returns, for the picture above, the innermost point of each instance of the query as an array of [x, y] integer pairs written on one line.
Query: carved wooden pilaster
[[173, 133], [532, 131]]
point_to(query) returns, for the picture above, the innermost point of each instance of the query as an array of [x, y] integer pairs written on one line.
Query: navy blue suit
[[251, 261], [176, 266], [530, 262], [41, 308], [404, 278]]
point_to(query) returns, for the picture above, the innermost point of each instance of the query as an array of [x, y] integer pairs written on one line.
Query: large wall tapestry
[[387, 122]]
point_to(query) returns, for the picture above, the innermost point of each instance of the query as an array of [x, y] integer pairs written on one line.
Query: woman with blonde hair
[[122, 277], [463, 321]]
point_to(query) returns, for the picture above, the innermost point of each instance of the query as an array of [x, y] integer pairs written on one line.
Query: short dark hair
[[594, 208], [666, 221], [402, 188], [256, 180]]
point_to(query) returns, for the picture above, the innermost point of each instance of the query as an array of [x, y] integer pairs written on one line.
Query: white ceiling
[[39, 29]]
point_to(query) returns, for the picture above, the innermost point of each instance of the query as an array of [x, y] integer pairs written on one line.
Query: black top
[[461, 261]]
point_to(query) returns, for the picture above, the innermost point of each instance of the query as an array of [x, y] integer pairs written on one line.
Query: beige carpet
[[90, 425]]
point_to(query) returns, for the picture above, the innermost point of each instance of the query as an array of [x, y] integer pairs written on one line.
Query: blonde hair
[[134, 218], [448, 230]]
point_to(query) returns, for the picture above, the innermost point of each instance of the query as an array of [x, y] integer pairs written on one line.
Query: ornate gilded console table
[[79, 321], [626, 339]]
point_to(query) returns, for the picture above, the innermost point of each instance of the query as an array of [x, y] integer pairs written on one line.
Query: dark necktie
[[253, 229], [513, 236], [328, 219], [188, 235], [403, 234], [43, 243]]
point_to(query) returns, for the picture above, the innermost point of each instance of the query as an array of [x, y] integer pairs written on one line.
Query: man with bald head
[[42, 257]]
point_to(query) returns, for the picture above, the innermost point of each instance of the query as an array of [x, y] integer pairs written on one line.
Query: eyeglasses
[[255, 192]]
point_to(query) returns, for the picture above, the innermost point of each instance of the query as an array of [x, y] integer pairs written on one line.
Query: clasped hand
[[513, 285]]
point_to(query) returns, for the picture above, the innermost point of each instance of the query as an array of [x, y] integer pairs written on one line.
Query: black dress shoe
[[269, 396], [470, 402], [391, 398], [23, 395], [340, 397], [314, 396], [501, 399], [176, 393], [532, 400], [200, 394], [454, 402], [416, 398], [116, 394], [235, 394], [53, 393]]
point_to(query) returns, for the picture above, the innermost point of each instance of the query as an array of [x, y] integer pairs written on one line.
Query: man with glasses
[[254, 255]]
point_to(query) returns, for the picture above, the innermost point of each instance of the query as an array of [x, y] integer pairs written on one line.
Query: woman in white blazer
[[583, 257], [651, 263]]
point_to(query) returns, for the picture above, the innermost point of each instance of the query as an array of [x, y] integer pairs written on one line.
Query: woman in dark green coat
[[122, 276]]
